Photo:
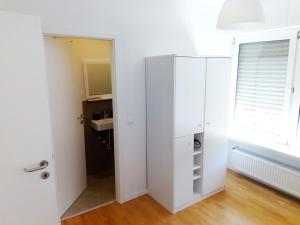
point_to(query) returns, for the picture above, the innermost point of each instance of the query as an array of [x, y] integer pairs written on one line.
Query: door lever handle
[[81, 117], [43, 165], [236, 148]]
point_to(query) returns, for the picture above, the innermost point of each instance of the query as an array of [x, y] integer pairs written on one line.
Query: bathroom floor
[[100, 190]]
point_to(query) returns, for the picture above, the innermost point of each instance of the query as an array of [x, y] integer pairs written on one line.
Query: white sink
[[104, 124]]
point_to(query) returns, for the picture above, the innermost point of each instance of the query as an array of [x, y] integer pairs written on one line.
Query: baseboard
[[213, 193], [197, 199]]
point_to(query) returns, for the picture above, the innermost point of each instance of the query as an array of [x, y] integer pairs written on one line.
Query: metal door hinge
[[293, 90], [298, 35]]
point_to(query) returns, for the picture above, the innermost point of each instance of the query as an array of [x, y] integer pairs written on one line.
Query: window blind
[[261, 86]]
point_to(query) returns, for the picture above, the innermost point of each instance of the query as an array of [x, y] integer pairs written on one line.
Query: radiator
[[271, 173]]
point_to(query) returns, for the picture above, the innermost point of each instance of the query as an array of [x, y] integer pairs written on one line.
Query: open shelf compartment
[[197, 174], [198, 143], [197, 184], [197, 160]]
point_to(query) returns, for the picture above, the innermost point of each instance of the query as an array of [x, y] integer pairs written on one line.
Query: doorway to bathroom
[[80, 73]]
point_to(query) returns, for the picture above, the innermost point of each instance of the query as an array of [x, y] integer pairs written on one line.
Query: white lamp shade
[[236, 14]]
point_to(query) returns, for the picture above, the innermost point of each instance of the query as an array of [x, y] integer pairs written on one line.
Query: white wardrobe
[[187, 103]]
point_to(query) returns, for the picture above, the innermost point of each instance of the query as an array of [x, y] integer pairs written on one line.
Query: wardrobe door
[[189, 95], [216, 120], [183, 170]]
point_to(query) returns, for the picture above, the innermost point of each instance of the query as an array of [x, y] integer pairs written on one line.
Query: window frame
[[294, 119], [265, 36]]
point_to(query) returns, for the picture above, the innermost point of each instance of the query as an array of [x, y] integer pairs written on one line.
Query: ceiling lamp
[[237, 14]]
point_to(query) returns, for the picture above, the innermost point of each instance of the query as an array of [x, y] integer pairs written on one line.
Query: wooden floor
[[243, 203]]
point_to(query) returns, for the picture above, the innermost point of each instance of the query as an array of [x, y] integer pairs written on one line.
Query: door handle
[[236, 148], [43, 165], [81, 117]]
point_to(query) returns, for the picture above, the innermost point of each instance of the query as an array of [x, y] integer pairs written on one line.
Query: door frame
[[114, 40]]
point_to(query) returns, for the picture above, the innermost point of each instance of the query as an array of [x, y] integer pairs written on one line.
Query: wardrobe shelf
[[196, 177], [196, 167], [197, 152]]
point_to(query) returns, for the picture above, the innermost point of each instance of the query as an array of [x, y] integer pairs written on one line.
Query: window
[[265, 106], [261, 86], [294, 116]]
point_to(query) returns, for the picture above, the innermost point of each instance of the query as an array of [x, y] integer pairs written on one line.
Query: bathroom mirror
[[97, 79]]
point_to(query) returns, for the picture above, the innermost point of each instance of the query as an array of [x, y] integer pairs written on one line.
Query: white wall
[[281, 13], [144, 28]]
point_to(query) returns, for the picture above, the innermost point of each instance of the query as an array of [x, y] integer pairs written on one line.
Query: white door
[[216, 118], [183, 170], [189, 95], [64, 73], [25, 138]]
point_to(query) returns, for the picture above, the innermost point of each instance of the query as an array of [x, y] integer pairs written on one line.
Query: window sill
[[285, 150]]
